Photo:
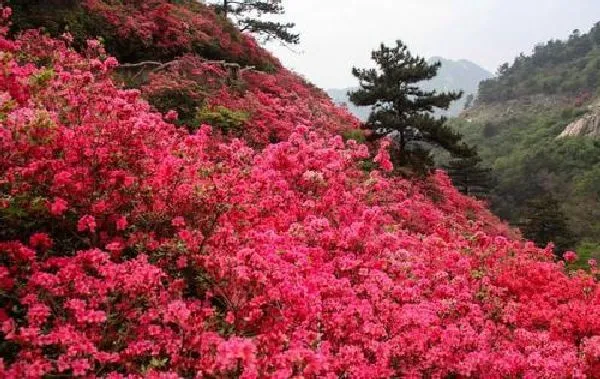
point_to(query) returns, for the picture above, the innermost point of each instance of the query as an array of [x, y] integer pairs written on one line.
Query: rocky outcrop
[[587, 126]]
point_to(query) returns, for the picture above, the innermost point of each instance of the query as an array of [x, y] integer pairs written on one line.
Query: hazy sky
[[337, 34]]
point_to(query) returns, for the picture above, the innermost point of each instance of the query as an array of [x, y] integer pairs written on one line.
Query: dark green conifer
[[469, 176], [401, 109], [543, 222], [248, 13]]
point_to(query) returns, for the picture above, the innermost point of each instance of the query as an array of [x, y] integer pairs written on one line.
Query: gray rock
[[587, 126]]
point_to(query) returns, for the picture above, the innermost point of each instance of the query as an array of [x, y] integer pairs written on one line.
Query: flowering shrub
[[178, 33], [130, 247], [151, 29], [271, 104]]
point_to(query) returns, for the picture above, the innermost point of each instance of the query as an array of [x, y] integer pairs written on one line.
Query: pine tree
[[402, 110], [469, 176], [248, 13], [543, 222]]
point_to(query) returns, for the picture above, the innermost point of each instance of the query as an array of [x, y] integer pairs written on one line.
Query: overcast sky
[[337, 34]]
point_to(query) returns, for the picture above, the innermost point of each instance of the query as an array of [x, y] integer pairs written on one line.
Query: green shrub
[[585, 251], [225, 119], [183, 102], [354, 134], [490, 130]]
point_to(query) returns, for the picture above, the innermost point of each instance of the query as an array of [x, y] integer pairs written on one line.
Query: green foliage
[[59, 16], [248, 15], [556, 67], [271, 30], [469, 176], [490, 129], [401, 109], [186, 103], [25, 215], [368, 165], [192, 111], [223, 118], [586, 250], [529, 162], [544, 222], [354, 134], [42, 78]]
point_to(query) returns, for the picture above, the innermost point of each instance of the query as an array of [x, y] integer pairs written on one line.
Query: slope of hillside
[[454, 75], [150, 30], [517, 122], [569, 67], [249, 238]]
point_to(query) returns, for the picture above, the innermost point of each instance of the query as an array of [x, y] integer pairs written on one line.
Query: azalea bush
[[132, 247], [264, 107], [134, 30]]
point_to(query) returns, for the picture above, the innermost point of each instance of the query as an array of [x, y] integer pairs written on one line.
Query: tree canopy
[[401, 109], [469, 176], [570, 66], [249, 17]]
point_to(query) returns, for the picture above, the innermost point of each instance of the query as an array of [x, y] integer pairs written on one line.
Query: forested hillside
[[516, 125], [563, 67], [176, 204]]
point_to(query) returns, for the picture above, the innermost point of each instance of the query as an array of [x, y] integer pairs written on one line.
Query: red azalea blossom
[[86, 223], [253, 250], [570, 256], [171, 115], [121, 223], [178, 222], [40, 241], [58, 207], [114, 247]]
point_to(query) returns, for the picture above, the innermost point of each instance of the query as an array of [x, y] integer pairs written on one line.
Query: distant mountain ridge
[[454, 75]]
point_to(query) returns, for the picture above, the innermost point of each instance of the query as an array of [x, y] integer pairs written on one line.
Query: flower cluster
[[130, 247], [272, 103], [151, 29]]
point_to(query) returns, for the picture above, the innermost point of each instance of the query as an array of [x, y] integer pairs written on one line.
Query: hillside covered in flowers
[[168, 211]]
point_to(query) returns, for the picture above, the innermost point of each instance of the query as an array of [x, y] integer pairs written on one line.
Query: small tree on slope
[[248, 13], [544, 222], [469, 176], [402, 110]]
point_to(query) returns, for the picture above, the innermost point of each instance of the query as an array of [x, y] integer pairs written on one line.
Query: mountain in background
[[454, 75]]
